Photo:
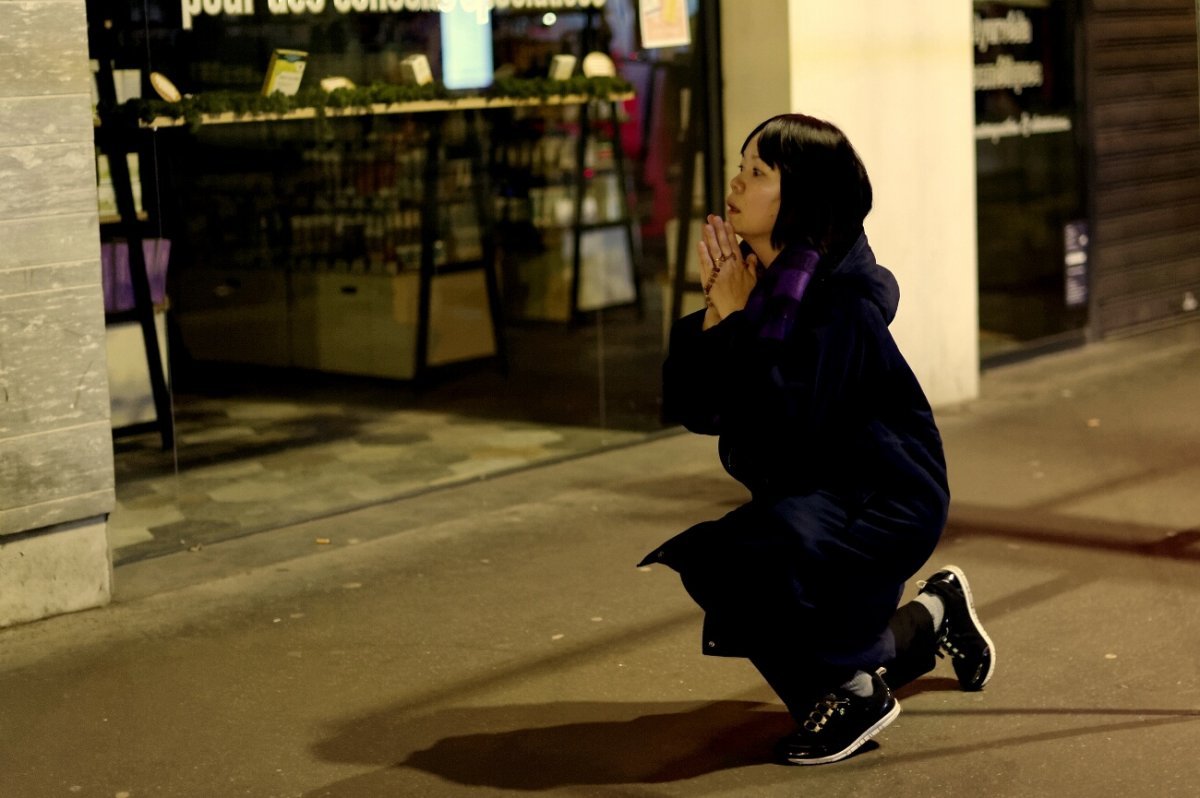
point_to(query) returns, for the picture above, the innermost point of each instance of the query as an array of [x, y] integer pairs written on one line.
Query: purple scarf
[[775, 301]]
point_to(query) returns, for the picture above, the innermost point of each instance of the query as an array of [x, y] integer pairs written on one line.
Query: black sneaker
[[838, 726], [961, 635]]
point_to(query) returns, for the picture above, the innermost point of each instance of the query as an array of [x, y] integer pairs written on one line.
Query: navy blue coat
[[835, 440]]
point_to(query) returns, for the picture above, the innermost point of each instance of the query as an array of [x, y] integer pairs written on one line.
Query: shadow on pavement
[[544, 746], [1143, 721], [1036, 525]]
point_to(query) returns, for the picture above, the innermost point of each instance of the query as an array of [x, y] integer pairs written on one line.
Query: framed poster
[[664, 23]]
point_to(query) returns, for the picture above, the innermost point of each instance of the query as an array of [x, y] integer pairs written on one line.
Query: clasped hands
[[728, 279]]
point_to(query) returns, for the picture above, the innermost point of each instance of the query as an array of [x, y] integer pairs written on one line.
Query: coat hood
[[860, 270]]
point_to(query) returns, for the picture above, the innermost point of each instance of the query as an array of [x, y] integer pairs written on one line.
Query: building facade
[[990, 208]]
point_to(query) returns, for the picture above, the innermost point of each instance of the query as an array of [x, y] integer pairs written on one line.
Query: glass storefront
[[353, 306], [357, 305], [1032, 228]]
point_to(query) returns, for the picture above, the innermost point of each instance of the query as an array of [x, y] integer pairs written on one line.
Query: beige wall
[[897, 78], [56, 467]]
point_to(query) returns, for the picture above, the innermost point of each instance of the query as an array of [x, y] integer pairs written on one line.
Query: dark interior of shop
[[287, 308]]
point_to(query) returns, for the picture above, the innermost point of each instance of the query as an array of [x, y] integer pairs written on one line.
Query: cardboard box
[[561, 67], [367, 323], [415, 71], [284, 72], [130, 396], [544, 281], [234, 315], [332, 321]]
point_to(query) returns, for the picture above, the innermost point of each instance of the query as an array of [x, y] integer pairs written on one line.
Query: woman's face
[[753, 201]]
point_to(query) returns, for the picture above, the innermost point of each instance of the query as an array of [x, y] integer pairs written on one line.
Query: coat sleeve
[[696, 371], [798, 392]]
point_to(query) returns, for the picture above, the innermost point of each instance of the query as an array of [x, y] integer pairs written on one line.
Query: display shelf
[[381, 109], [703, 135], [567, 177], [129, 220], [131, 315], [436, 253], [433, 253], [110, 219]]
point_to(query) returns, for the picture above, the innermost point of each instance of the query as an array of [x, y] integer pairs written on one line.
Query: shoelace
[[825, 709], [953, 650], [946, 645]]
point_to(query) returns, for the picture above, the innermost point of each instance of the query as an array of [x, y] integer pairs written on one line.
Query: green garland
[[193, 107], [544, 88]]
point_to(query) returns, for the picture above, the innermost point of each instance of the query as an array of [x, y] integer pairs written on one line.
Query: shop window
[[1032, 226], [287, 323]]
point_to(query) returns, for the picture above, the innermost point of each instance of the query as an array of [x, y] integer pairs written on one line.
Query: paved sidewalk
[[496, 638]]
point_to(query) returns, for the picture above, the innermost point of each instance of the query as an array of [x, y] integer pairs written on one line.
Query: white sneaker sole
[[879, 726], [962, 580]]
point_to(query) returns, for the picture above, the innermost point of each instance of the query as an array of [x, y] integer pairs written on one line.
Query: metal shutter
[[1144, 115]]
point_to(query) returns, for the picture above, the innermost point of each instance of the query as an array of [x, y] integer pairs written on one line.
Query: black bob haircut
[[824, 191]]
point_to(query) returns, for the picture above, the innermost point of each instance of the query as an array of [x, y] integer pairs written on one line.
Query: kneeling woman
[[793, 366]]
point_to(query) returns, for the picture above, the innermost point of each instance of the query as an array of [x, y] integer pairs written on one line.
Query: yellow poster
[[664, 23]]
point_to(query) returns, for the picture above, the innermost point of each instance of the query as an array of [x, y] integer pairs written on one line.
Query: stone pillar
[[56, 461], [898, 79]]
